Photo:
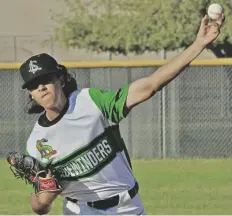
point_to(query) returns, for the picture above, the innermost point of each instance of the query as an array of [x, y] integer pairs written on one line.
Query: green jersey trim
[[111, 103]]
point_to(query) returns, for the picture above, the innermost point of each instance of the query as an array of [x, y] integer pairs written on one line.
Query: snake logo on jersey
[[46, 151], [87, 161]]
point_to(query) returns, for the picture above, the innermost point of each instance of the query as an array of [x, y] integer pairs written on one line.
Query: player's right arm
[[42, 203]]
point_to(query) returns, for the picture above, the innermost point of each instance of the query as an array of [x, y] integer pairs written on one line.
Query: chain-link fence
[[191, 117]]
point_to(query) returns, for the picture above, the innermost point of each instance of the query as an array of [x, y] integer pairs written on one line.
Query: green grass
[[166, 187]]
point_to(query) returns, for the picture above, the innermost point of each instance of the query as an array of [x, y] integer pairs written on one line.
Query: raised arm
[[144, 88]]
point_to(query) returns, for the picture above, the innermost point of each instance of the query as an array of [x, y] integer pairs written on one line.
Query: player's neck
[[54, 112]]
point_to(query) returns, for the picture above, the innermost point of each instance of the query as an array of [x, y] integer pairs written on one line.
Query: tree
[[135, 26]]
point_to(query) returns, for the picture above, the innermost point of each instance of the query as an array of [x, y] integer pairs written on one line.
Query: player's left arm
[[111, 103], [115, 105], [143, 89]]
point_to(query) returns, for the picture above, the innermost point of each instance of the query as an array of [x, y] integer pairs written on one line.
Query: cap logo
[[33, 67]]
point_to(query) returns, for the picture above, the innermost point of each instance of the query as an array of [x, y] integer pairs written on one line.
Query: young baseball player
[[78, 134]]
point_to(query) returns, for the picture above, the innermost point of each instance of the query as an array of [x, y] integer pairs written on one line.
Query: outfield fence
[[190, 117]]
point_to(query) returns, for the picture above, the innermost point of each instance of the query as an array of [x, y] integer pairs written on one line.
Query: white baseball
[[215, 11]]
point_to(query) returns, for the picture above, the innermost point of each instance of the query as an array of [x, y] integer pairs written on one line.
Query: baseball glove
[[29, 169]]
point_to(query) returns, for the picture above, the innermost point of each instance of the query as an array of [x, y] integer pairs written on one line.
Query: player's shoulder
[[79, 98], [82, 93], [79, 94]]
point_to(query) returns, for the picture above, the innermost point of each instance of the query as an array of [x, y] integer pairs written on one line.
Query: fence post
[[16, 112], [163, 113], [130, 144], [174, 118]]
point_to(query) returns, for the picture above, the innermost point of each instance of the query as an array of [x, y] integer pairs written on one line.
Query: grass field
[[166, 187]]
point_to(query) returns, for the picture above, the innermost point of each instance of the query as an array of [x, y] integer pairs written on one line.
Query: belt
[[110, 202]]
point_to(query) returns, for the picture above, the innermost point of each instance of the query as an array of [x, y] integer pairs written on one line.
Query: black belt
[[110, 202]]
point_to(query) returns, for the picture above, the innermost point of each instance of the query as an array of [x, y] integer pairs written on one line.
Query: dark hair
[[70, 85]]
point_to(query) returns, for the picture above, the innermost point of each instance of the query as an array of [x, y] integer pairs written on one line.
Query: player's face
[[46, 91]]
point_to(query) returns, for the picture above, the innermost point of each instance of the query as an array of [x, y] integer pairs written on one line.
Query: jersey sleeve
[[111, 103]]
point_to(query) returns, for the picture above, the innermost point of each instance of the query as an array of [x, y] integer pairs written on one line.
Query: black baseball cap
[[37, 66]]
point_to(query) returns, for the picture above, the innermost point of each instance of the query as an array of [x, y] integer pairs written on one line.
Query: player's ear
[[30, 96], [62, 82]]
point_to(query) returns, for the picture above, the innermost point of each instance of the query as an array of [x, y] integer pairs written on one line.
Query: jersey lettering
[[97, 156]]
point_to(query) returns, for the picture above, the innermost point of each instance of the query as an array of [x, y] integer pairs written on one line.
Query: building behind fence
[[17, 48], [191, 117]]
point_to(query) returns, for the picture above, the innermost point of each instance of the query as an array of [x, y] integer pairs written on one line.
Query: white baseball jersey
[[84, 145]]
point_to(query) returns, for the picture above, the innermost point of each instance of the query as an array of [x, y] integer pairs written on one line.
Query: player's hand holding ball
[[209, 30], [215, 11]]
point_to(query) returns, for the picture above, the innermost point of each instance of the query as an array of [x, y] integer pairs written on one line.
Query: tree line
[[138, 26]]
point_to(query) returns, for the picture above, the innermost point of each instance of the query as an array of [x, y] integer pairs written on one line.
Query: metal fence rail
[[191, 117]]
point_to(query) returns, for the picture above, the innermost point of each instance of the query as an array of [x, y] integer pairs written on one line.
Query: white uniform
[[87, 153]]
